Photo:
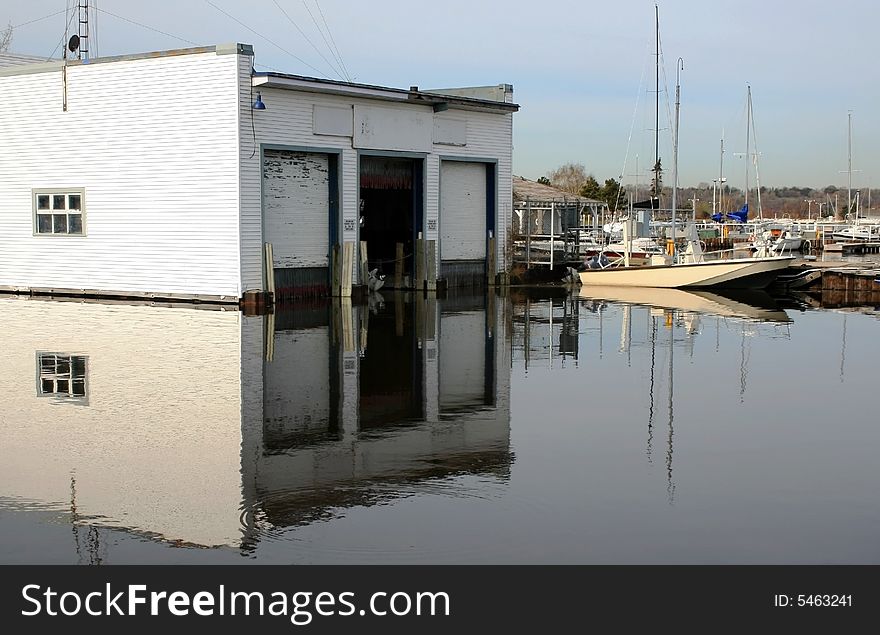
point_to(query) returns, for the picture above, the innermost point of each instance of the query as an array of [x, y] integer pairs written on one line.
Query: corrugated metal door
[[462, 211], [462, 352], [296, 208]]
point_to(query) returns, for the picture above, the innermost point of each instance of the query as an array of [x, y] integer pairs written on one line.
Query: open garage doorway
[[391, 212]]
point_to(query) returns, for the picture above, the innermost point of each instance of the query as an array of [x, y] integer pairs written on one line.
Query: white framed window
[[59, 212], [62, 376]]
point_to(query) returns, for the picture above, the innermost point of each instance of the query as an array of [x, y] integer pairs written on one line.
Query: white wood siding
[[296, 209], [152, 141], [462, 210]]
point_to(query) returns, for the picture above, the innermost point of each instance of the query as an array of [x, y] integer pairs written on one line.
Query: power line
[[318, 26], [66, 28], [149, 28], [317, 50], [338, 54], [279, 47], [45, 17]]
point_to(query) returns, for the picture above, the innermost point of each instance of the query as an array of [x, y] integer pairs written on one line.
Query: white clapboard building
[[166, 174]]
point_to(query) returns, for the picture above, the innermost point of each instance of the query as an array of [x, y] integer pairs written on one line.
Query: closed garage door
[[462, 211], [296, 217]]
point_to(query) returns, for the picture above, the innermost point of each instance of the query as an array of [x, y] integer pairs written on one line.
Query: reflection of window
[[61, 376], [58, 212]]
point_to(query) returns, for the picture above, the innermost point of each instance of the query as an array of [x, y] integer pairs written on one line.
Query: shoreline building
[[165, 175]]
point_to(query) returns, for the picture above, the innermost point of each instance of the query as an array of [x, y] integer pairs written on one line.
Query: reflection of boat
[[754, 305]]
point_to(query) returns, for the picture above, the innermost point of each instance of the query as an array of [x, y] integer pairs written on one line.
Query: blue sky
[[581, 71]]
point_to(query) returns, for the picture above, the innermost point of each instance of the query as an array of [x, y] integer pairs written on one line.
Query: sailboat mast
[[748, 126], [678, 67], [849, 162], [721, 177], [656, 187]]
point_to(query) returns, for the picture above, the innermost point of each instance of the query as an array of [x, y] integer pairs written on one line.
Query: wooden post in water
[[364, 272], [528, 233], [490, 259], [347, 267], [336, 267], [431, 264], [420, 277], [398, 267], [270, 269]]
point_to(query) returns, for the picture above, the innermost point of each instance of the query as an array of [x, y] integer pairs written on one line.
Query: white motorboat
[[857, 233], [786, 242], [747, 273]]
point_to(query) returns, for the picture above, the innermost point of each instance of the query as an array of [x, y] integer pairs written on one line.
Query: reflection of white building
[[154, 443], [171, 421]]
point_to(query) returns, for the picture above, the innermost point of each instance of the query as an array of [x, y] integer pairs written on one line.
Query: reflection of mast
[[651, 389], [843, 349], [670, 486], [743, 363], [626, 332], [93, 545]]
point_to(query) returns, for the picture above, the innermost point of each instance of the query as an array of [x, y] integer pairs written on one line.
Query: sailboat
[[690, 268]]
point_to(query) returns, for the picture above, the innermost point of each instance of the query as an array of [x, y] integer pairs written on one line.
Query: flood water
[[536, 427]]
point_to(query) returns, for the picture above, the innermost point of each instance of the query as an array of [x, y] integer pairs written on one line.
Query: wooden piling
[[490, 260], [420, 278], [398, 266], [364, 272], [431, 264]]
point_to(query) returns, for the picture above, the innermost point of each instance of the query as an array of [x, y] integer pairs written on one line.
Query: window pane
[[58, 201], [59, 223], [74, 201], [47, 386], [79, 388], [47, 363], [44, 223], [62, 386], [74, 224], [63, 365], [79, 366], [42, 201]]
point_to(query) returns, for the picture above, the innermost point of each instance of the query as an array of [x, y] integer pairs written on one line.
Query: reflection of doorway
[[390, 211], [392, 368]]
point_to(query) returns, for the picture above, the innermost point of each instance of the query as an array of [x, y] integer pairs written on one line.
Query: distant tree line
[[789, 201]]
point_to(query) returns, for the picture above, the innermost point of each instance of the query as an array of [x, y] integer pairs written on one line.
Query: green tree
[[613, 193], [657, 181], [591, 188]]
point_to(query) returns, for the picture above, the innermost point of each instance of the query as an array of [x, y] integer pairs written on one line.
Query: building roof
[[14, 59], [461, 98], [438, 100], [523, 189]]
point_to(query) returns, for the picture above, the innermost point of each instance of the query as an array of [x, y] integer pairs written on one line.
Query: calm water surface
[[603, 427]]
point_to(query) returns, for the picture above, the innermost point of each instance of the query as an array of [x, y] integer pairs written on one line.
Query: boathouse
[[168, 175]]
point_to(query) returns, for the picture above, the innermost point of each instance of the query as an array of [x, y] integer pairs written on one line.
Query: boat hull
[[745, 273]]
